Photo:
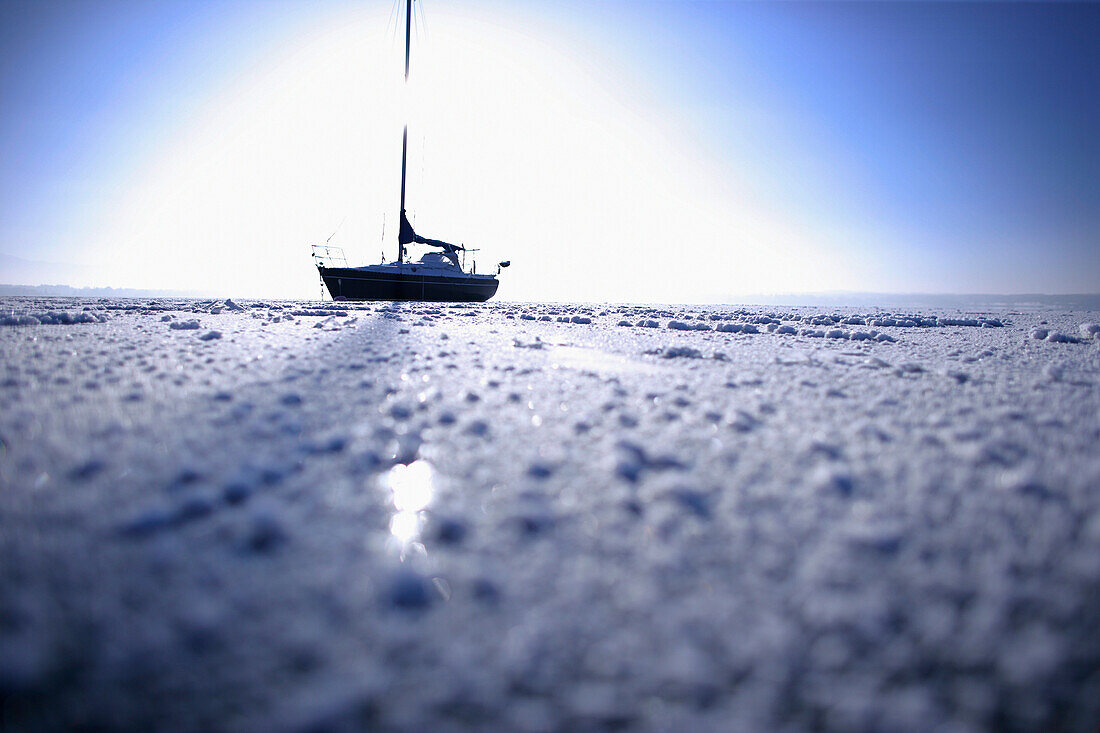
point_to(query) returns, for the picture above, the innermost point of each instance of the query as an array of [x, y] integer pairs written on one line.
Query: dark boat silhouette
[[436, 276]]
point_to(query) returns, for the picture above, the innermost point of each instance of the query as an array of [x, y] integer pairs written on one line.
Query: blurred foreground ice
[[301, 516]]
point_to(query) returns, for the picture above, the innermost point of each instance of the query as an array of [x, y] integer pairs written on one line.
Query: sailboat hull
[[362, 284]]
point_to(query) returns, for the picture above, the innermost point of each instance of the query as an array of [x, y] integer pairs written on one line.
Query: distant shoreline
[[1077, 301], [1086, 301]]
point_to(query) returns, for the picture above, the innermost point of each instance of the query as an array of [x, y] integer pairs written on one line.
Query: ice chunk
[[681, 352], [450, 531], [409, 591], [1061, 338], [14, 320], [265, 532], [736, 328]]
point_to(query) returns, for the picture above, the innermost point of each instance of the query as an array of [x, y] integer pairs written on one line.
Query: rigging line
[[336, 230], [397, 20], [423, 20], [392, 9]]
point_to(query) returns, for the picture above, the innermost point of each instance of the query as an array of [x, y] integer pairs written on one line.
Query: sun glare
[[515, 148]]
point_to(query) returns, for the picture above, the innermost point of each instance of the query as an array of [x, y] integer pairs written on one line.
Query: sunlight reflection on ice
[[405, 527], [592, 359], [412, 487]]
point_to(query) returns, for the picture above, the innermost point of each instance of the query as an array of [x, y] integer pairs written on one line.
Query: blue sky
[[780, 147]]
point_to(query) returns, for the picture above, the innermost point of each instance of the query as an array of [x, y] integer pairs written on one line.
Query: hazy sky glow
[[673, 151]]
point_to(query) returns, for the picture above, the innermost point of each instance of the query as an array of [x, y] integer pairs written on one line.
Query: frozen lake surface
[[336, 516]]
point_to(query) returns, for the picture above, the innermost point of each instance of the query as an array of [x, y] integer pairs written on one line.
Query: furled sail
[[406, 236]]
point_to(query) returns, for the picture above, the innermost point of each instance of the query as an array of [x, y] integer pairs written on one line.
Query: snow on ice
[[297, 516]]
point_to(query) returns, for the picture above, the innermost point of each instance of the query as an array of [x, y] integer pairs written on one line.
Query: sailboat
[[436, 276]]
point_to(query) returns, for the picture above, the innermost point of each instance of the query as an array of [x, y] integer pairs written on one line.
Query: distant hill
[[68, 291]]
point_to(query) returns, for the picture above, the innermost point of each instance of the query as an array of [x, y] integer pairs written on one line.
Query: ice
[[1055, 337], [737, 328], [50, 317], [410, 591], [547, 516], [20, 320], [265, 533], [681, 352]]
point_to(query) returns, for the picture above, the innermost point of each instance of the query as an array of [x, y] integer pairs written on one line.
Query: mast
[[405, 133]]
